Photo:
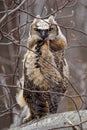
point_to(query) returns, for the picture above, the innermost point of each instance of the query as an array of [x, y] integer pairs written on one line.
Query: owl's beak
[[44, 34]]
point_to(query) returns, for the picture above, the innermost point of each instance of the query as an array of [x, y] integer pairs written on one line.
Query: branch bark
[[62, 121]]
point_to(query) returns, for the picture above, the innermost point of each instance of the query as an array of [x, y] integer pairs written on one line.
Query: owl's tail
[[20, 99]]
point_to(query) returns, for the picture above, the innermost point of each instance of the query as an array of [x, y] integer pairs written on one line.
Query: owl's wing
[[62, 67], [61, 63]]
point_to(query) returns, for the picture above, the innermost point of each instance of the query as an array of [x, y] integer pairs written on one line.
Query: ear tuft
[[36, 19], [51, 19], [38, 16]]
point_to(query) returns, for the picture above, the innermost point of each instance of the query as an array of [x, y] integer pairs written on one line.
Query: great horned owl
[[45, 69]]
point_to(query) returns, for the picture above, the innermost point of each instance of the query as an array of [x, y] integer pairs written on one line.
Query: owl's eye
[[36, 29], [50, 29]]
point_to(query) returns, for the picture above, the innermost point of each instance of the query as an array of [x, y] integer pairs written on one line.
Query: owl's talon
[[27, 119]]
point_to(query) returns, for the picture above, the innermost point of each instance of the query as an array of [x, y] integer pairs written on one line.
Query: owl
[[44, 69]]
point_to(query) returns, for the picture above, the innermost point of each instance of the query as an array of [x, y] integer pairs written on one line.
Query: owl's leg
[[53, 104], [43, 109], [53, 107], [26, 119], [29, 117], [29, 101]]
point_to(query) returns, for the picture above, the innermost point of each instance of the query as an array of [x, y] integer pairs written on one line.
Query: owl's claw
[[27, 119]]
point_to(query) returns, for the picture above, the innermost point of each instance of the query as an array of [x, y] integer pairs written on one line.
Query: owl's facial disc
[[45, 30]]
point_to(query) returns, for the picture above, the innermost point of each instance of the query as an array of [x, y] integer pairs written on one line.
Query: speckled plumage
[[44, 70]]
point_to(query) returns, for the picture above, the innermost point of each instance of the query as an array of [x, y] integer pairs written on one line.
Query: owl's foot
[[27, 119]]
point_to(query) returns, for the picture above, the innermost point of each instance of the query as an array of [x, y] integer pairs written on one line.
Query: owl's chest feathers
[[40, 65]]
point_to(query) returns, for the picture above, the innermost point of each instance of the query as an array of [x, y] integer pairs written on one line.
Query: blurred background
[[15, 19]]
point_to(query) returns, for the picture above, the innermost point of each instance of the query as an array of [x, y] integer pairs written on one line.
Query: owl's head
[[44, 28]]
